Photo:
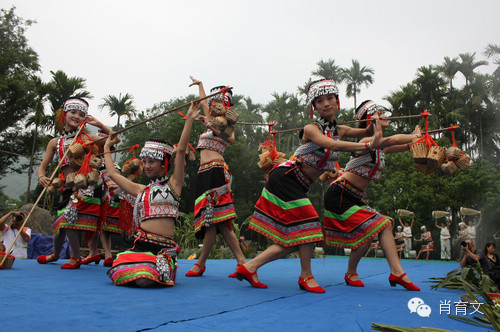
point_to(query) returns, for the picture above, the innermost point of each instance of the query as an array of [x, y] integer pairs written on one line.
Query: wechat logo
[[417, 305]]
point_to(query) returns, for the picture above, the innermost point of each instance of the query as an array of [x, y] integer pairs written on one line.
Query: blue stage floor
[[38, 297]]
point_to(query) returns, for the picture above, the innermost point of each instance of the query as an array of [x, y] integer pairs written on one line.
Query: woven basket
[[76, 151], [265, 163], [9, 261], [126, 169], [463, 162], [405, 213], [453, 152], [51, 190], [134, 164], [229, 130], [468, 211], [87, 148], [70, 179], [76, 163], [419, 150], [439, 214], [217, 109], [93, 177], [57, 182], [95, 162], [231, 116], [219, 123], [80, 181], [449, 167], [436, 156], [263, 147], [424, 168]]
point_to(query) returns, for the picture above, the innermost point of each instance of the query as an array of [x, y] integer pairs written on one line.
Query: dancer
[[428, 245], [407, 235], [214, 210], [349, 221], [283, 212], [151, 259], [445, 240], [86, 216], [463, 235], [375, 245], [471, 228], [400, 243]]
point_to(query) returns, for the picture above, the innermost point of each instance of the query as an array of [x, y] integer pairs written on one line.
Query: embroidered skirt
[[428, 247], [152, 257], [348, 221], [214, 202], [111, 217], [283, 212], [79, 210]]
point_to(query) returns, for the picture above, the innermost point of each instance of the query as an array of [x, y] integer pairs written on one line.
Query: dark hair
[[487, 245], [362, 124]]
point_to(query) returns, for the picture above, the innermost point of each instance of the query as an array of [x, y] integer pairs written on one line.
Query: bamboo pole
[[40, 196], [389, 118]]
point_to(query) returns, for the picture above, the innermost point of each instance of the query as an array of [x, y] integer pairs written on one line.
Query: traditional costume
[[283, 212], [445, 239], [150, 256], [348, 220], [428, 243]]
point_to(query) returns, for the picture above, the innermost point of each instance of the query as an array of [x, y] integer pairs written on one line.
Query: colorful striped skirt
[[79, 211], [428, 247], [400, 246], [349, 222], [214, 202], [283, 212], [111, 216], [152, 257]]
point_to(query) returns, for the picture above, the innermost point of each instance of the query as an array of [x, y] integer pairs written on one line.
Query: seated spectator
[[490, 262], [9, 233]]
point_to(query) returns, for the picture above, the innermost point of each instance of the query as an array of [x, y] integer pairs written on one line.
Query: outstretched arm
[[412, 220], [129, 186], [480, 218], [177, 178], [4, 219], [202, 94]]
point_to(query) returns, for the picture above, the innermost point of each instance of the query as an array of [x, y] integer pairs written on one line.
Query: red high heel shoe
[[355, 283], [88, 259], [393, 280], [303, 285], [43, 259], [108, 261], [196, 274], [76, 265], [243, 273], [234, 274]]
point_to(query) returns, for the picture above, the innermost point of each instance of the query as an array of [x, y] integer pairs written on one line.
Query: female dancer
[[349, 221], [463, 235], [428, 245], [398, 237], [214, 210], [445, 240], [472, 228], [75, 111], [151, 259], [407, 235], [283, 212]]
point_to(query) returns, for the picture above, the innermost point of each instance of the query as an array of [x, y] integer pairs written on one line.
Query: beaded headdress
[[76, 104], [321, 88], [367, 108], [156, 150], [227, 95]]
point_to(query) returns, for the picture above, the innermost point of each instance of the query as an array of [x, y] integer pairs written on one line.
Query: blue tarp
[[43, 245]]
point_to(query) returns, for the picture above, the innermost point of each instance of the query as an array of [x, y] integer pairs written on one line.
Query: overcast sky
[[149, 48]]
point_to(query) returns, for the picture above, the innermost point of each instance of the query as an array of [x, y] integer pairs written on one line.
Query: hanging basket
[[453, 152], [424, 168], [70, 179], [231, 116], [439, 214], [463, 162], [76, 163], [95, 162], [93, 177], [9, 261], [75, 151], [419, 152], [217, 109], [449, 167], [51, 190], [229, 130], [436, 156], [57, 183], [134, 164], [80, 181], [218, 123]]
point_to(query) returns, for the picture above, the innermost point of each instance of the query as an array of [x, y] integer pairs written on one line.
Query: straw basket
[[423, 168], [281, 158], [217, 109], [439, 214], [419, 152], [76, 151], [265, 163], [404, 213], [93, 177], [76, 162], [70, 179], [9, 261], [463, 162], [134, 164], [468, 212], [453, 152], [449, 167], [219, 123], [57, 182], [229, 130], [80, 181], [95, 162], [51, 190], [231, 116], [263, 147], [436, 156], [88, 146]]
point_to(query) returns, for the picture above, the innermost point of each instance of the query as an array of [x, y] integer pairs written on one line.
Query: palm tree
[[355, 77], [61, 87], [122, 105], [468, 65], [449, 69], [328, 69]]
